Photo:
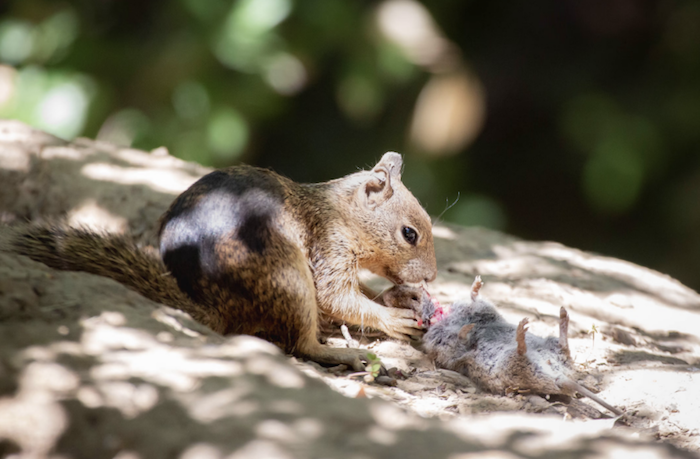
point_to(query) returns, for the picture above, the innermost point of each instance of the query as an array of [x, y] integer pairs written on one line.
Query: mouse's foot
[[564, 332], [520, 336], [464, 331], [476, 286]]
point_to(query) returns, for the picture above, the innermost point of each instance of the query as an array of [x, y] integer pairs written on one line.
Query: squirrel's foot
[[323, 354]]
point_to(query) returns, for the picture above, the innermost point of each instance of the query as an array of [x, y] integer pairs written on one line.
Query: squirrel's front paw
[[401, 324], [415, 298]]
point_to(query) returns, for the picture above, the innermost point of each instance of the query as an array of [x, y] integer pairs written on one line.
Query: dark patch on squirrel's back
[[185, 265], [255, 230], [234, 182], [232, 204]]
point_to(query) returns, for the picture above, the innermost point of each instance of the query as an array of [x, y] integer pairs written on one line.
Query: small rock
[[645, 411], [338, 369], [671, 349], [395, 373], [412, 386], [623, 337], [386, 381], [537, 403]]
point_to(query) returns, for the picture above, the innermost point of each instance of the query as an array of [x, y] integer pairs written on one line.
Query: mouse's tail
[[572, 386]]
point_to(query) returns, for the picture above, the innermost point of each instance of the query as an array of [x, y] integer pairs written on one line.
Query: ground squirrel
[[245, 250]]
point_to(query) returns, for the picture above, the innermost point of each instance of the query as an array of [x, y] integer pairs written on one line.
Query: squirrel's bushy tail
[[115, 256]]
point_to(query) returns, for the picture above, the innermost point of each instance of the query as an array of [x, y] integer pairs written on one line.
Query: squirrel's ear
[[392, 162], [377, 189]]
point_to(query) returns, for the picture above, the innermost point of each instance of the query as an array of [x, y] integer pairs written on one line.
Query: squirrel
[[247, 251]]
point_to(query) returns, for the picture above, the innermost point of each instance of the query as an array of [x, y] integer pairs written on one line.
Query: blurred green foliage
[[564, 120]]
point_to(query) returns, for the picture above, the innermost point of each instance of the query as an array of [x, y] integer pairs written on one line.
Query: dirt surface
[[91, 369], [634, 335]]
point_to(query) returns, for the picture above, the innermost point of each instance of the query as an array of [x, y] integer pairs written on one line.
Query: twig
[[346, 334]]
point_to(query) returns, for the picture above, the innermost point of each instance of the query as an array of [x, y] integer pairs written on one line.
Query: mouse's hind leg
[[564, 332], [520, 336], [476, 286], [464, 331]]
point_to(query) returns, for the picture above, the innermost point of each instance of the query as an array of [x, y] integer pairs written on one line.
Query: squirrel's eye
[[410, 235]]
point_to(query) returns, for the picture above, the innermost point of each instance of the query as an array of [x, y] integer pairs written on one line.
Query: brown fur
[[253, 252]]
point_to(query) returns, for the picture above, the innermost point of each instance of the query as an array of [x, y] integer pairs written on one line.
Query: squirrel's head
[[397, 231]]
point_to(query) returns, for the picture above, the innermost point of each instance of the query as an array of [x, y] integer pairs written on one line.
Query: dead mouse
[[475, 340]]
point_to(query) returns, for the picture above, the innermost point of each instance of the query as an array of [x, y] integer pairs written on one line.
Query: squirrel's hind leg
[[301, 313], [272, 295]]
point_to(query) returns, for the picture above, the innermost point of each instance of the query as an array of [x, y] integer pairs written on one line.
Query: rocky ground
[[91, 369]]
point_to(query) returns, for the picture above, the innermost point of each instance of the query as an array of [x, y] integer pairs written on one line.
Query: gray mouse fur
[[475, 340]]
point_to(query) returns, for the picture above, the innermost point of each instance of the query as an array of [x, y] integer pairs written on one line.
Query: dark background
[[573, 121]]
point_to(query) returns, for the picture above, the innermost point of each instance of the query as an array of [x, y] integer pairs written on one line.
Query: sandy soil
[[634, 333], [633, 356]]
